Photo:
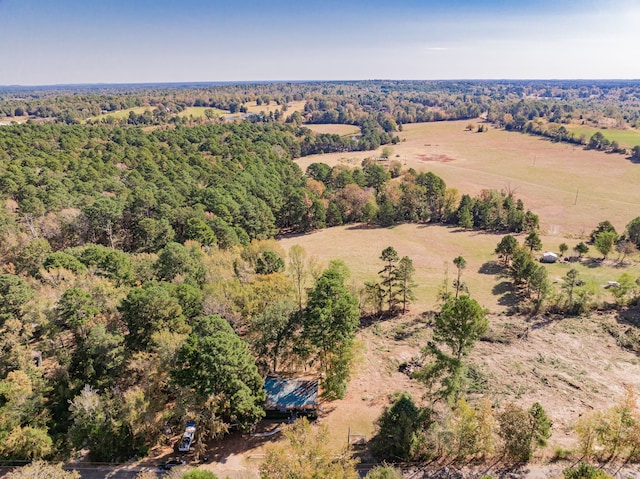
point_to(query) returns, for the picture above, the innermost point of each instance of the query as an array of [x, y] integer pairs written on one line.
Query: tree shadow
[[236, 443], [626, 331], [593, 263], [411, 329], [506, 295], [367, 226], [491, 268], [368, 320], [540, 321]]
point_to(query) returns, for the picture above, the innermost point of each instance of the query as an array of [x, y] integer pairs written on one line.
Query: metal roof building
[[290, 396]]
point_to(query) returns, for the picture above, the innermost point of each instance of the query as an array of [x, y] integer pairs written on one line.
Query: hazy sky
[[133, 41]]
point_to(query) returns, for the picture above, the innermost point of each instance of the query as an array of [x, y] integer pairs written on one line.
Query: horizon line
[[258, 82]]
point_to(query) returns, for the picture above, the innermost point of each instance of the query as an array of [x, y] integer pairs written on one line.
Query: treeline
[[559, 133], [372, 135], [219, 184], [383, 193], [347, 102]]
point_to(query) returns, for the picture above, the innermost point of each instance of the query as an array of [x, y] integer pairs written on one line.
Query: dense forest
[[141, 284]]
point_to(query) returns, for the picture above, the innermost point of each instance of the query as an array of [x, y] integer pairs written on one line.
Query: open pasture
[[121, 114], [432, 249], [198, 111], [253, 107], [628, 138], [572, 189]]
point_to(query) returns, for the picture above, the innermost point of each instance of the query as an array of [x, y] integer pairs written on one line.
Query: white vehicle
[[187, 437]]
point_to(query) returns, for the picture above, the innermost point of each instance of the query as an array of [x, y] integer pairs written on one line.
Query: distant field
[[198, 111], [342, 130], [121, 114], [432, 249], [13, 119], [547, 176], [252, 107], [628, 138]]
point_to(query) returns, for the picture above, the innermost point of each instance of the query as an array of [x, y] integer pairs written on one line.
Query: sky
[[46, 42]]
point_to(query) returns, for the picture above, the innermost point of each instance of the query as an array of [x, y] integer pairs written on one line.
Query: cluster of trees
[[407, 432], [395, 288], [118, 337], [613, 433], [372, 135], [307, 454], [387, 194], [219, 184], [530, 279]]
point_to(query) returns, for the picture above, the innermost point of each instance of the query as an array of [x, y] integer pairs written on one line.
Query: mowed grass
[[198, 111], [121, 114], [628, 138], [432, 249], [253, 107], [572, 189], [334, 129]]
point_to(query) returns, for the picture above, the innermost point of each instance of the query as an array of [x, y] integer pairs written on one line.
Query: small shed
[[291, 397], [549, 257]]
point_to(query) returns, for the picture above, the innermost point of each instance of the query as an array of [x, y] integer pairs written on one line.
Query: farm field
[[570, 188], [432, 249], [628, 138], [198, 111], [121, 114], [253, 107], [334, 129], [13, 119]]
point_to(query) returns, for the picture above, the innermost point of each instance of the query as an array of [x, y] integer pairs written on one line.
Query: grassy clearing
[[252, 107], [121, 114], [432, 249], [628, 138], [342, 130], [198, 111], [545, 175]]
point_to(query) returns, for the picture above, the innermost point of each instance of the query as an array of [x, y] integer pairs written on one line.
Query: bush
[[522, 430], [384, 472], [584, 471], [400, 429]]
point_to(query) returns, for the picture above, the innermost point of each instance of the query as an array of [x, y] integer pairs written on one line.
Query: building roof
[[290, 394]]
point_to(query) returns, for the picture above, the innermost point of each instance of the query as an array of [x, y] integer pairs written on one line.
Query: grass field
[[252, 107], [121, 114], [628, 138], [432, 249], [198, 111], [570, 188], [342, 130]]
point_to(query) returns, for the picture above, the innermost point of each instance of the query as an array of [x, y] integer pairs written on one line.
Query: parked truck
[[187, 437]]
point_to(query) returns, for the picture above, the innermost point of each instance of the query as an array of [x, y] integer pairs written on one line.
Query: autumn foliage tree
[[306, 454]]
